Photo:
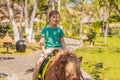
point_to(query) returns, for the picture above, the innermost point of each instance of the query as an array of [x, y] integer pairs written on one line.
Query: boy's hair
[[50, 14], [53, 12]]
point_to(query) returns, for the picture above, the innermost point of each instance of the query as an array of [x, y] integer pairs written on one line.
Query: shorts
[[49, 50]]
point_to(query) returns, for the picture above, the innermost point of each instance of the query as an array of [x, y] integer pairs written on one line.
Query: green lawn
[[102, 63]]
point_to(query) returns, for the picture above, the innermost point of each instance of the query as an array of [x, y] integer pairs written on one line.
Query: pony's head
[[68, 67]]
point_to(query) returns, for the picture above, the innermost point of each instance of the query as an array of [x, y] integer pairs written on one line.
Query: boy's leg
[[36, 69], [52, 49], [39, 62]]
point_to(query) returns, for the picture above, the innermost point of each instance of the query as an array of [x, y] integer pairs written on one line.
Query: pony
[[64, 66]]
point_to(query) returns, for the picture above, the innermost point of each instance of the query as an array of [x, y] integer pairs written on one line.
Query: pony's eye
[[71, 75], [68, 77]]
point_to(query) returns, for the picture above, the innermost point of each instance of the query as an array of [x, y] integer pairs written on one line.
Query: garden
[[102, 63]]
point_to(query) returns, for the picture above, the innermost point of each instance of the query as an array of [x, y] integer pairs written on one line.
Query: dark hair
[[53, 12]]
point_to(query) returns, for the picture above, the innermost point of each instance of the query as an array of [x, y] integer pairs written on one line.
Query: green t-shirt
[[52, 37]]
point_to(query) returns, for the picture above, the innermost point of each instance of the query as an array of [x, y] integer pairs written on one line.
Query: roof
[[84, 37], [7, 39], [74, 12], [114, 25], [4, 14]]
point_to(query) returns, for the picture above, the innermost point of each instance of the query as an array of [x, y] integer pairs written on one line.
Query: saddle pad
[[42, 73]]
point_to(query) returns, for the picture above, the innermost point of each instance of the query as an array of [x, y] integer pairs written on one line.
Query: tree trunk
[[58, 3], [21, 17], [106, 30], [81, 24], [92, 43], [15, 29], [53, 5], [103, 24], [59, 6], [31, 29], [26, 19]]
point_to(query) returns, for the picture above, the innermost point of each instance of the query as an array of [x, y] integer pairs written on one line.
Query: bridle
[[64, 72]]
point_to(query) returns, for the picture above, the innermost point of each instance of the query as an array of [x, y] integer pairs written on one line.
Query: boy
[[52, 37]]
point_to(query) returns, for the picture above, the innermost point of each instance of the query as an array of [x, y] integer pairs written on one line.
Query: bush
[[4, 29], [91, 34]]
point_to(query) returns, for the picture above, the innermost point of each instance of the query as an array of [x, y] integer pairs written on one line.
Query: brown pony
[[64, 66]]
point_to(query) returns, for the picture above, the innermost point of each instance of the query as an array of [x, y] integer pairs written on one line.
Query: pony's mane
[[72, 55], [62, 62], [71, 63]]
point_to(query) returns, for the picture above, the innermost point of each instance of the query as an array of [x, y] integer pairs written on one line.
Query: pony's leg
[[36, 69]]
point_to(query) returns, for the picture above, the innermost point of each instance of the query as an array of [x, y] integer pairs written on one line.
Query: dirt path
[[19, 68]]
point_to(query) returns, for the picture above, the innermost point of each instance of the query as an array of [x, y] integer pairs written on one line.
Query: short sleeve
[[62, 34], [42, 33]]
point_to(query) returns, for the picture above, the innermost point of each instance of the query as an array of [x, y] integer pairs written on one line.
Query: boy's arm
[[41, 42], [42, 45], [63, 44]]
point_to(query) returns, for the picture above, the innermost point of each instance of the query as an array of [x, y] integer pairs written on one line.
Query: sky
[[71, 4], [89, 1]]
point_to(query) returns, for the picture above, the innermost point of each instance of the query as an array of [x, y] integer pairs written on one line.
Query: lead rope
[[64, 73]]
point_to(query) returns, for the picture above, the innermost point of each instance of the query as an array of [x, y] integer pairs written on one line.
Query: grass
[[2, 79], [108, 56]]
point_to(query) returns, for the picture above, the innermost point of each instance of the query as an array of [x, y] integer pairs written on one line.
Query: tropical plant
[[91, 34], [112, 5]]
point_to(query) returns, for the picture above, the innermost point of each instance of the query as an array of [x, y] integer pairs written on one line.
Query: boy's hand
[[41, 44], [45, 53]]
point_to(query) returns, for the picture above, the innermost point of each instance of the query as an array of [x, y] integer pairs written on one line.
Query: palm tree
[[112, 5]]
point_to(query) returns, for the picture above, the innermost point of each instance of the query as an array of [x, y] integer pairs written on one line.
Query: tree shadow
[[7, 58], [6, 52], [29, 70]]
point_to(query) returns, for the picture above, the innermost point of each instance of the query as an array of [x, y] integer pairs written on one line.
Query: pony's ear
[[62, 61], [66, 51], [70, 50], [80, 59], [63, 58]]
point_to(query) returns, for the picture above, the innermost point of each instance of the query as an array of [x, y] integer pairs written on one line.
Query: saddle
[[45, 63]]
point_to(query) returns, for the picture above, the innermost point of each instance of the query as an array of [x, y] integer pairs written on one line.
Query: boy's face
[[54, 19]]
